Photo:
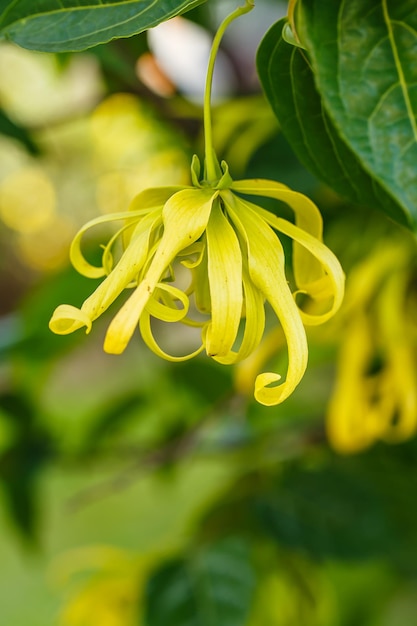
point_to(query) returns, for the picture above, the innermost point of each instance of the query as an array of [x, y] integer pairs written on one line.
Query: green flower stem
[[213, 171]]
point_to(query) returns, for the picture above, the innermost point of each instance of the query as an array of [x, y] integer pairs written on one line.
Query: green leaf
[[209, 587], [333, 512], [288, 83], [21, 464], [11, 129], [363, 54], [70, 25]]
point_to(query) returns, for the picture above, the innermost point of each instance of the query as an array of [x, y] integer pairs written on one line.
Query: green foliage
[[58, 26], [328, 512], [288, 81], [21, 462], [355, 127], [9, 128], [211, 585]]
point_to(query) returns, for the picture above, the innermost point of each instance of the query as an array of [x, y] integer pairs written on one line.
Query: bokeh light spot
[[27, 200]]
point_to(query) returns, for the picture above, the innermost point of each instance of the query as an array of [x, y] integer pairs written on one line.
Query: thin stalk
[[213, 171]]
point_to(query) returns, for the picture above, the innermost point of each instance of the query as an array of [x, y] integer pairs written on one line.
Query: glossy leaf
[[288, 83], [363, 57], [209, 587], [69, 25]]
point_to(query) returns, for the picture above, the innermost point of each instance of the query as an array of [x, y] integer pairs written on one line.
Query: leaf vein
[[401, 76]]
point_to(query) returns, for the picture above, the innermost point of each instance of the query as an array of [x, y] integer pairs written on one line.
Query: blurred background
[[135, 491]]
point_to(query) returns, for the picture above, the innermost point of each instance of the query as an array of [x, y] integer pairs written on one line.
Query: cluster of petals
[[236, 262]]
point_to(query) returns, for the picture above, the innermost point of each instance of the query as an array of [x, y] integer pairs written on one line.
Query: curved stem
[[213, 171], [291, 21]]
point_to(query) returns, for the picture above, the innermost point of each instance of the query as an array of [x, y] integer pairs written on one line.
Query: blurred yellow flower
[[375, 395], [109, 592], [236, 261]]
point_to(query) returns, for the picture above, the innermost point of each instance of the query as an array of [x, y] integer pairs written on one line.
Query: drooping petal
[[225, 280], [66, 319], [307, 217], [185, 217], [200, 284], [333, 280], [266, 265], [254, 320]]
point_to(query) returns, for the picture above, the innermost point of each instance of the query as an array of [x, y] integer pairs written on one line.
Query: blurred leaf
[[21, 463], [208, 380], [117, 60], [211, 586], [11, 129], [393, 472], [346, 508], [328, 512], [288, 82], [112, 418], [276, 160], [34, 339], [366, 77], [241, 126], [70, 25]]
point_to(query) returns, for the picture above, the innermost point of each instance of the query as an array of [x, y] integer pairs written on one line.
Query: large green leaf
[[363, 54], [209, 587], [69, 25], [288, 83]]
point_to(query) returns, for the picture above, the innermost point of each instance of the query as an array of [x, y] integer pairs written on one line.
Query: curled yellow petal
[[167, 311], [283, 304], [67, 318], [185, 216], [142, 205], [77, 258], [247, 370], [307, 217], [124, 273], [149, 339], [332, 280]]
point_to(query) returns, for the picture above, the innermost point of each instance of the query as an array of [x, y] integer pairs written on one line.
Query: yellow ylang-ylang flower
[[375, 394], [236, 262], [111, 594]]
